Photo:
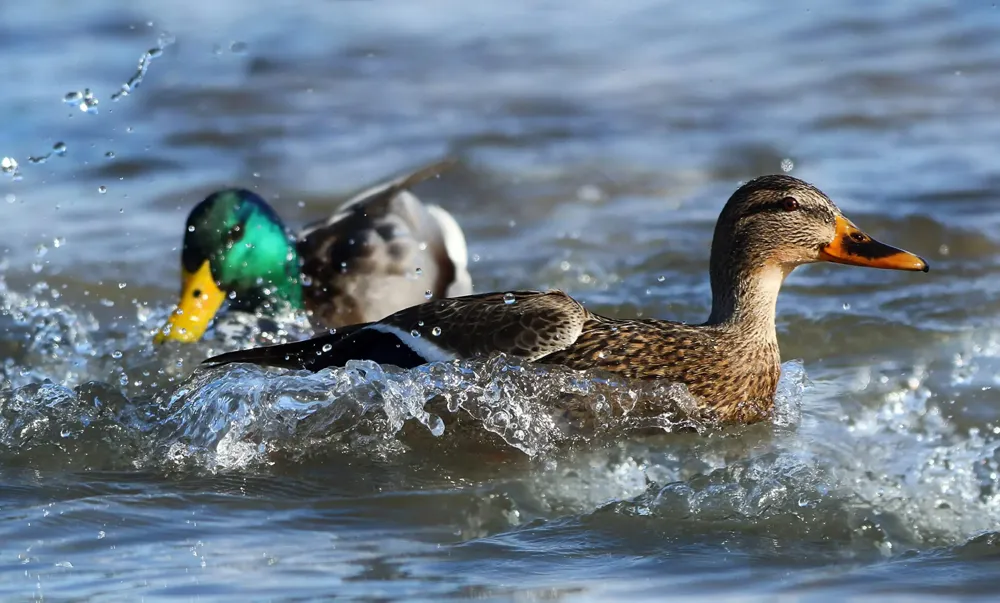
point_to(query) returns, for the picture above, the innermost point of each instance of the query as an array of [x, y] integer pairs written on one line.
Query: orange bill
[[200, 299], [852, 246]]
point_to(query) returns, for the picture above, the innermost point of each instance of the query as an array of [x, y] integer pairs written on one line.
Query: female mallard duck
[[730, 363], [383, 250]]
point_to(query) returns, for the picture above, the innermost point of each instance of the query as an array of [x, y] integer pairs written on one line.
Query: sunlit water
[[598, 142]]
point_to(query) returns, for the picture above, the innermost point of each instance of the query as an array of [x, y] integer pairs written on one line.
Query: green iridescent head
[[235, 248]]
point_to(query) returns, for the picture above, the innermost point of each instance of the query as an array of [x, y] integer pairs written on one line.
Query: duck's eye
[[789, 204], [858, 237]]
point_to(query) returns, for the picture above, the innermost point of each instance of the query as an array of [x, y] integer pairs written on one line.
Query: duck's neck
[[746, 300]]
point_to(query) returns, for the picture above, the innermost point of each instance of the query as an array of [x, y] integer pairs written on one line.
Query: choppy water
[[598, 142]]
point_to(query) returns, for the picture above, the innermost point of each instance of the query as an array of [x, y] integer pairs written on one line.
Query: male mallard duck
[[383, 250], [730, 363]]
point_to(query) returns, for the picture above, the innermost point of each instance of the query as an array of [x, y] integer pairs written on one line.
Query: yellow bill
[[852, 246], [200, 299]]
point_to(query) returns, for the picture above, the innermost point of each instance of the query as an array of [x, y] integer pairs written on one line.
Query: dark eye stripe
[[774, 207], [779, 207]]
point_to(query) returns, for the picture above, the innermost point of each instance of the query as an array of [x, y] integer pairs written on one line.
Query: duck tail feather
[[376, 342]]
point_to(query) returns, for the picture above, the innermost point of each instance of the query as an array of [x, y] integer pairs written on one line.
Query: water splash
[[92, 425], [891, 473], [129, 86], [86, 101], [880, 470], [50, 341], [365, 406], [233, 418]]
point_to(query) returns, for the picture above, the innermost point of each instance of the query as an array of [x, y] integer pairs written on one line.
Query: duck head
[[772, 224], [236, 249]]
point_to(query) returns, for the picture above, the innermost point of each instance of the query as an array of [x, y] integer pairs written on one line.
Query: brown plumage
[[731, 363], [364, 259]]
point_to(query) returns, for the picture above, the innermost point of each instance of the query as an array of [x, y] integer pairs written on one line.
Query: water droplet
[[110, 154], [306, 280], [238, 47], [589, 193], [122, 285], [415, 333], [8, 165], [944, 250], [508, 298], [422, 246], [191, 228], [117, 354], [65, 432], [87, 102], [102, 189], [327, 347], [73, 98], [847, 306], [36, 267], [41, 250], [565, 266], [428, 294], [475, 257], [123, 380], [436, 331], [59, 148], [101, 535], [418, 271], [661, 278], [787, 165], [10, 198]]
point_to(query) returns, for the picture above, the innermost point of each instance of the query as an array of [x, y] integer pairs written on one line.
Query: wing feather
[[525, 324]]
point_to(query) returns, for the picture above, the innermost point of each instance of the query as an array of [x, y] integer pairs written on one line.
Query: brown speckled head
[[774, 219], [772, 224]]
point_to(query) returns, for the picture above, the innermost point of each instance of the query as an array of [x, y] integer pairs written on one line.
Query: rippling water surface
[[597, 144]]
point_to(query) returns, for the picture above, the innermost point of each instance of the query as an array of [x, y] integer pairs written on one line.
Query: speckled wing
[[525, 324], [382, 251]]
